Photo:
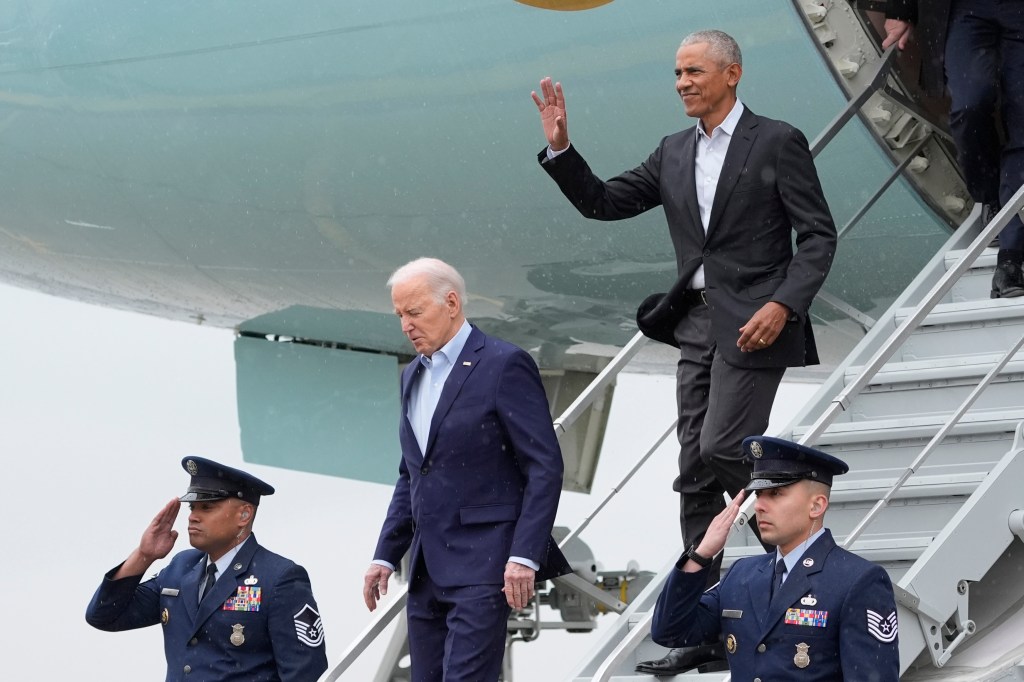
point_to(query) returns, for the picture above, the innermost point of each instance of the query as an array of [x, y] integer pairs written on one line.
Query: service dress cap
[[212, 481], [779, 462]]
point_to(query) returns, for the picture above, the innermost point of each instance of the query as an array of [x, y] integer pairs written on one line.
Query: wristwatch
[[704, 561]]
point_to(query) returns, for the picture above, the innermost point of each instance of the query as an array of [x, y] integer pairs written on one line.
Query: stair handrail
[[842, 400], [388, 613], [947, 426], [586, 398]]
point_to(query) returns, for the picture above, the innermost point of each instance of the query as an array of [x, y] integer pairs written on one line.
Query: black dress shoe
[[1008, 279], [707, 657]]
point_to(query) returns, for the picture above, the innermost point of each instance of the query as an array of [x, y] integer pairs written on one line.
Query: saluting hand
[[552, 114], [156, 543], [718, 532]]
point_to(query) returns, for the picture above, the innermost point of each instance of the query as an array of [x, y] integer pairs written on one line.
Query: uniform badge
[[165, 616], [882, 629], [808, 562], [730, 644], [191, 467], [245, 599], [809, 600], [251, 580], [237, 567], [802, 660], [755, 449], [807, 617], [237, 638], [308, 626]]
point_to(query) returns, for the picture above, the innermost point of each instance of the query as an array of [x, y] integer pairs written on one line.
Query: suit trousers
[[456, 634], [985, 69], [719, 405]]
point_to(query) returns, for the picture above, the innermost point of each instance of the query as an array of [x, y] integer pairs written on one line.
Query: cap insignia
[[755, 449], [191, 467]]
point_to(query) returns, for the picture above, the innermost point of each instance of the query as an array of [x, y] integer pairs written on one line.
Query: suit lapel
[[689, 180], [409, 378], [190, 588], [226, 584], [735, 160], [461, 369], [761, 584]]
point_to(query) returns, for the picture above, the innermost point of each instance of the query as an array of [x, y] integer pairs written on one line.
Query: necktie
[[780, 569], [211, 578]]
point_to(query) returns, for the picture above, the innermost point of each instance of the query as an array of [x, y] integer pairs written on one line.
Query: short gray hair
[[441, 277], [722, 46]]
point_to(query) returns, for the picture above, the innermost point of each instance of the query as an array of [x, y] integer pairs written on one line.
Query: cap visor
[[203, 496], [768, 483]]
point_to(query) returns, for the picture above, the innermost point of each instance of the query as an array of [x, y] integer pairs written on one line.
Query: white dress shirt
[[711, 151]]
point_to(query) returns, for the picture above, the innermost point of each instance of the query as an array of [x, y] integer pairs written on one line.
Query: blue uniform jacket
[[833, 619], [488, 486], [260, 622]]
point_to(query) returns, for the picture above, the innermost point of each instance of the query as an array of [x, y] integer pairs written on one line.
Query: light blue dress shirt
[[794, 556], [223, 563], [427, 391]]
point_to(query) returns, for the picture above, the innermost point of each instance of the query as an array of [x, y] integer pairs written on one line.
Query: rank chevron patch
[[882, 629], [308, 626]]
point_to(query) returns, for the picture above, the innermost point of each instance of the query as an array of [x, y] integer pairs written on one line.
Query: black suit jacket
[[767, 191]]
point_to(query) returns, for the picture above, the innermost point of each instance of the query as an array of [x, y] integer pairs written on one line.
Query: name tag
[[169, 591], [732, 613]]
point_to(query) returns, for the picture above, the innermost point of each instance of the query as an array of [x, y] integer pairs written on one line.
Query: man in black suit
[[734, 189]]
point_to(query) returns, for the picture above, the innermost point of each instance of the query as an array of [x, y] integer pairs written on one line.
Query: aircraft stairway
[[928, 410]]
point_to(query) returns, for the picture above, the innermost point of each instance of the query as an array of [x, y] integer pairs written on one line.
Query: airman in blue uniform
[[230, 609], [808, 611]]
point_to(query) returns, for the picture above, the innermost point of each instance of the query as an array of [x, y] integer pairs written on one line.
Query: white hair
[[722, 46], [441, 277]]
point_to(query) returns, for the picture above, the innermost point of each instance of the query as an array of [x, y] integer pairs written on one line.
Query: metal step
[[981, 327], [956, 454], [885, 431], [976, 283], [923, 387]]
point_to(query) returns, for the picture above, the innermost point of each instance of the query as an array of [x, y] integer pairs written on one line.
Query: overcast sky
[[99, 407]]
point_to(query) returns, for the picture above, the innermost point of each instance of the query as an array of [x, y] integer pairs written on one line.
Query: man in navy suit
[[735, 190], [809, 610], [230, 610], [976, 48], [478, 486]]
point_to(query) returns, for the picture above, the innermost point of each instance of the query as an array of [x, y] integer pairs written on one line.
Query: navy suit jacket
[[767, 191], [283, 635], [836, 604], [487, 487]]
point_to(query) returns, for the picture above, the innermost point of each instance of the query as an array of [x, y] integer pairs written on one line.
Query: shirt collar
[[799, 551], [451, 350], [225, 561], [728, 125]]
